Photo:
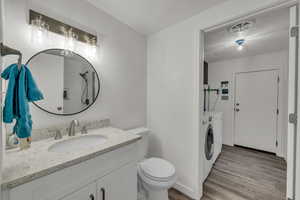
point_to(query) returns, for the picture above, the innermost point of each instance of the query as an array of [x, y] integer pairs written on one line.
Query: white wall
[[225, 70], [120, 59], [174, 82]]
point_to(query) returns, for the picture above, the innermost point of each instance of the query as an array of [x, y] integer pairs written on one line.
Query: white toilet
[[156, 175]]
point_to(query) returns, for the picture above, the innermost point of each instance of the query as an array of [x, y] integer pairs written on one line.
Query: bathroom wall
[[120, 59], [174, 84], [225, 70]]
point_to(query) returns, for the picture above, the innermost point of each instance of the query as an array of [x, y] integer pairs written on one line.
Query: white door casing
[[256, 104], [291, 104], [297, 138], [293, 170]]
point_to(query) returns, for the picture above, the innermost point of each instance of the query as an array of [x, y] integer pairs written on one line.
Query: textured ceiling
[[270, 33]]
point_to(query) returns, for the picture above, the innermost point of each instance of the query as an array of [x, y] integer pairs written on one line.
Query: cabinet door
[[120, 184], [86, 193]]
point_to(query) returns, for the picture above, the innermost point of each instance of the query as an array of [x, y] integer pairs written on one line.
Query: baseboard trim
[[185, 190]]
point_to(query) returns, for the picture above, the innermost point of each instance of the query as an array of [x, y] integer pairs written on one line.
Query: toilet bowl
[[155, 175]]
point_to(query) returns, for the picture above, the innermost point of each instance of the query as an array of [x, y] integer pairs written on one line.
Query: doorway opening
[[246, 81]]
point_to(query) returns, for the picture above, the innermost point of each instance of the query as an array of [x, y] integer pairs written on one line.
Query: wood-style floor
[[243, 174]]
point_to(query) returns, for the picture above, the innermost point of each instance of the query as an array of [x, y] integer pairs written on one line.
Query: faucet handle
[[84, 130], [57, 135], [76, 122]]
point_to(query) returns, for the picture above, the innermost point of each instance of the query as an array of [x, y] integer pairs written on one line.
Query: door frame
[[297, 137], [199, 65], [277, 102]]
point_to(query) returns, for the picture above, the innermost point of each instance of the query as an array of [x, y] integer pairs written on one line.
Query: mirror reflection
[[68, 81]]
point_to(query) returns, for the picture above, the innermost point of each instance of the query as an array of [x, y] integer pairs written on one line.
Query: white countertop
[[20, 167]]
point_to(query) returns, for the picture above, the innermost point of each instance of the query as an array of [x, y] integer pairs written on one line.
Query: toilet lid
[[157, 169]]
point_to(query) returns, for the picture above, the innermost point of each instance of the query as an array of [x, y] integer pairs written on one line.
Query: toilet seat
[[157, 169]]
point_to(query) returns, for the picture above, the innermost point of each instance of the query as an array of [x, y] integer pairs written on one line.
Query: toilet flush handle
[[103, 193]]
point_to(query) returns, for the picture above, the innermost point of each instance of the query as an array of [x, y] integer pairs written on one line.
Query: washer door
[[209, 143]]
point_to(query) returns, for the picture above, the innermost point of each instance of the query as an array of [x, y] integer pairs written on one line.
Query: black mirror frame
[[69, 114]]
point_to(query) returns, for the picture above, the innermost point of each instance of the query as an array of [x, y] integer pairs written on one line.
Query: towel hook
[[5, 50]]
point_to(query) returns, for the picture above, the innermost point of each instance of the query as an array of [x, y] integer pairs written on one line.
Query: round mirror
[[69, 83]]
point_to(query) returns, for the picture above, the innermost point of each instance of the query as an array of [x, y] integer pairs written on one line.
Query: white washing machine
[[213, 139], [209, 144], [217, 123]]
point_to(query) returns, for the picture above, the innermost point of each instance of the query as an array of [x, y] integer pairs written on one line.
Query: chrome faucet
[[72, 126]]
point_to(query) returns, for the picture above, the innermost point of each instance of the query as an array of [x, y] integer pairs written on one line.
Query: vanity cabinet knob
[[84, 130], [58, 135], [103, 193], [92, 197]]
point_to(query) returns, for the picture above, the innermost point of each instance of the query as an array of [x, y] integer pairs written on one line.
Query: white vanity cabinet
[[107, 176], [119, 185], [88, 192], [122, 184]]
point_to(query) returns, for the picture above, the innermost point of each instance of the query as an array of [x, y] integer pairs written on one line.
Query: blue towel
[[21, 90]]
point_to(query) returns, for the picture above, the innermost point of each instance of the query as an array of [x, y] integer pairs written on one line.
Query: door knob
[[237, 110]]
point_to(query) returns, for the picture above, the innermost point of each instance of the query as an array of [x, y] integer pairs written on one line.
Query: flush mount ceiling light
[[240, 29], [240, 43], [241, 26]]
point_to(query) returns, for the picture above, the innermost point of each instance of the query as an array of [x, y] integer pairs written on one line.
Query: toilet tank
[[142, 143]]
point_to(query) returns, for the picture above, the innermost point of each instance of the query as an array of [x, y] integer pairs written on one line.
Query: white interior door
[[256, 109]]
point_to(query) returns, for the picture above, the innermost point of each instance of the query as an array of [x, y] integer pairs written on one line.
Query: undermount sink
[[78, 143]]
